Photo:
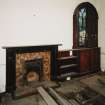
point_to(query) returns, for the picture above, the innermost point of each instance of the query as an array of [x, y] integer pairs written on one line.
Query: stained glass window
[[82, 26]]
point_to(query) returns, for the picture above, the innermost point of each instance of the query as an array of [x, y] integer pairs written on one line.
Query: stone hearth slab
[[30, 89]]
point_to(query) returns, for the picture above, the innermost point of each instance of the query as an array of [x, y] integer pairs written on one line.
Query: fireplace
[[26, 64], [33, 69], [30, 71]]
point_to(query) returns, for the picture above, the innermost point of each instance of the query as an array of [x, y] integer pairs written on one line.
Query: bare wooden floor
[[65, 87]]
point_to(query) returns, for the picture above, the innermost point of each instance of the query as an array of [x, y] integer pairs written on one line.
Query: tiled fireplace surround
[[21, 58], [16, 56]]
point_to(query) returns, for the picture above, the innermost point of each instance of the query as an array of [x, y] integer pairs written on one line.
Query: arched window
[[85, 26]]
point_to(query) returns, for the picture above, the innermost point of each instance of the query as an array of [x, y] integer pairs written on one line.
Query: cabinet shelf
[[68, 57], [71, 74], [68, 66]]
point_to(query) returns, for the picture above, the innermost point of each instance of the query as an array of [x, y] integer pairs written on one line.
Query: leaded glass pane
[[82, 26]]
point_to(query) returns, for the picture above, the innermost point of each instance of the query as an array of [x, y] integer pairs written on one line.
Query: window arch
[[85, 26]]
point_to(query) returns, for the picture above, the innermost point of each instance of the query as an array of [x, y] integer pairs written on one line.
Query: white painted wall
[[102, 33], [37, 22]]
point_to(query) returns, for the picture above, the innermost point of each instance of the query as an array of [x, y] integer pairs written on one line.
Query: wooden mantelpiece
[[12, 52]]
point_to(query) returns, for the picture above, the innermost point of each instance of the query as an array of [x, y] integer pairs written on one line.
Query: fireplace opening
[[33, 69]]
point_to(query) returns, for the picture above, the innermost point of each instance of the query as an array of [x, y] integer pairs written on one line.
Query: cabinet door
[[92, 40], [85, 61], [85, 26], [90, 60]]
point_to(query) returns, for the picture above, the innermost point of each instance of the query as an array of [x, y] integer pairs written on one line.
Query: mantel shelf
[[26, 46]]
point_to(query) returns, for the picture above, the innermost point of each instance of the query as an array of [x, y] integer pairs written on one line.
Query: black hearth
[[33, 68]]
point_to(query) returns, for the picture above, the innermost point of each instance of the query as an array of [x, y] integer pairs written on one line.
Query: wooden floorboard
[[58, 97], [49, 100]]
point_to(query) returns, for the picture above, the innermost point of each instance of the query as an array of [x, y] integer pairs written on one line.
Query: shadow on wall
[[2, 77], [103, 61]]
